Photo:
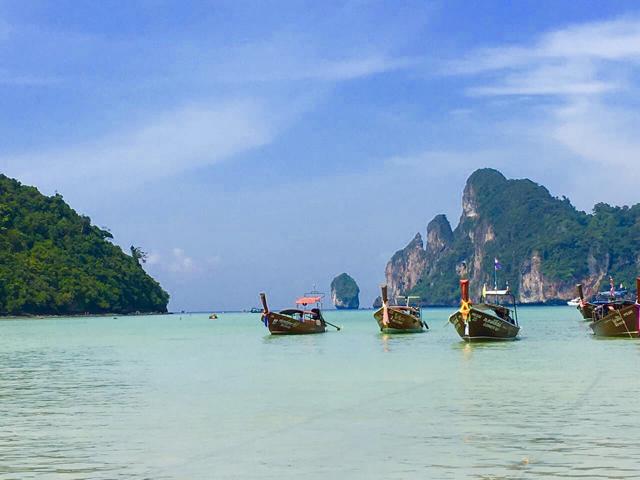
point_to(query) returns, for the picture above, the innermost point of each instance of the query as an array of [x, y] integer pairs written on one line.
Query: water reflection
[[394, 341], [468, 348], [296, 343]]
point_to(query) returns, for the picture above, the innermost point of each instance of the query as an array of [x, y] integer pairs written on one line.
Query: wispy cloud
[[179, 263], [296, 66], [182, 263], [577, 60], [291, 65], [601, 133], [581, 84], [165, 144]]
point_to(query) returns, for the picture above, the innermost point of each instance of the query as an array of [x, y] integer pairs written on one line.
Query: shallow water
[[185, 397]]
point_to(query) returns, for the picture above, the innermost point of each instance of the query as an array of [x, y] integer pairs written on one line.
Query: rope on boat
[[624, 323]]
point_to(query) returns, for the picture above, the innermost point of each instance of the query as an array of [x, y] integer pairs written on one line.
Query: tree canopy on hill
[[54, 261]]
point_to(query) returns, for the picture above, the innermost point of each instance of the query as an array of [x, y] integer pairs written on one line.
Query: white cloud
[[599, 132], [166, 144], [588, 122], [289, 68], [576, 60], [561, 79], [153, 258], [352, 68], [182, 263], [617, 39], [179, 263]]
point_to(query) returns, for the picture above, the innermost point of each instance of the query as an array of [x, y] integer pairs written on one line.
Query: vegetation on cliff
[[345, 292], [544, 243], [54, 262]]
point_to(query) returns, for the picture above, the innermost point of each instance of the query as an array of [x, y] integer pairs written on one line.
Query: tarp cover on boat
[[307, 300]]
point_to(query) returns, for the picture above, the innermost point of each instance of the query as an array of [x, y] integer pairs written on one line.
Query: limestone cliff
[[406, 267], [345, 292], [544, 244], [439, 236]]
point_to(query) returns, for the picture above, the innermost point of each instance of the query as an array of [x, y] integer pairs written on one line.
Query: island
[[53, 261], [345, 292], [542, 244]]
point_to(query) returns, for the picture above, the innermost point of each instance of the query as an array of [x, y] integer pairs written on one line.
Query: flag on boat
[[496, 264]]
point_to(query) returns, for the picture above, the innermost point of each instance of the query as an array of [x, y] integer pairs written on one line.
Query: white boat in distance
[[574, 303]]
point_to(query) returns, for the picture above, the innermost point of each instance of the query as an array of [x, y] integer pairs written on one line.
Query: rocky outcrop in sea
[[345, 292]]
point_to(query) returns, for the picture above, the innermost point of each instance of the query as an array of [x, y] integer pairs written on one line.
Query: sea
[[185, 397]]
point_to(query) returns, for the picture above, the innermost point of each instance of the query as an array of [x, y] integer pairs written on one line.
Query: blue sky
[[253, 146]]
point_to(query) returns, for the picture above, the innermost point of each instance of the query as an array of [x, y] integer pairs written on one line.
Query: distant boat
[[618, 318], [255, 310], [399, 318], [213, 316], [574, 302], [486, 321], [296, 321]]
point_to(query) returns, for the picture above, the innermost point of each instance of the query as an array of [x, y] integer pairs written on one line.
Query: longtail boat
[[618, 319], [296, 321], [399, 318], [614, 299], [485, 321]]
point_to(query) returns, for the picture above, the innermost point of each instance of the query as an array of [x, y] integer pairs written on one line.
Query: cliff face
[[345, 292], [406, 267], [544, 244], [439, 236]]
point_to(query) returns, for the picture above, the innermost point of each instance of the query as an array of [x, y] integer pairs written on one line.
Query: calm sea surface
[[185, 397]]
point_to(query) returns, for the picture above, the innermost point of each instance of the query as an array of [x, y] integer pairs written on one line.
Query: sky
[[270, 146]]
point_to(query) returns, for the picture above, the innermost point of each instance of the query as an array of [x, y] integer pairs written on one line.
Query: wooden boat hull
[[284, 325], [399, 322], [483, 326], [586, 310], [623, 322]]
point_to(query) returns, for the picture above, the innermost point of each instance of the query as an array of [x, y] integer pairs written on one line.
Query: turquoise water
[[185, 397]]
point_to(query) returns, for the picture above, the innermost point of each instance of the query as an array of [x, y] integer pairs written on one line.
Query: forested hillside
[[54, 261]]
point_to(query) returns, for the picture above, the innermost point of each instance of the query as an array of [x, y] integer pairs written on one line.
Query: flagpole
[[495, 277]]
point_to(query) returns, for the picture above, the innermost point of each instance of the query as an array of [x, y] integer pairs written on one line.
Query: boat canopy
[[307, 300], [616, 293]]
